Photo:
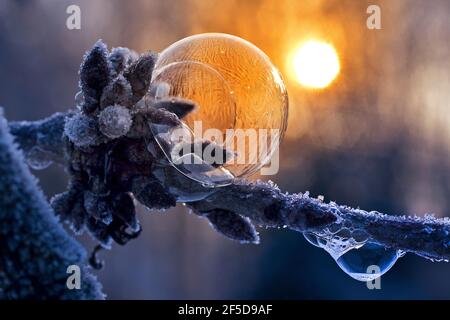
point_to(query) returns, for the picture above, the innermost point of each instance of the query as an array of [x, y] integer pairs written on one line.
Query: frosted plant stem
[[267, 206], [35, 250], [44, 136]]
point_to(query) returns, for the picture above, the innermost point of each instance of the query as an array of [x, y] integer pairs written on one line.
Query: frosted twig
[[267, 206]]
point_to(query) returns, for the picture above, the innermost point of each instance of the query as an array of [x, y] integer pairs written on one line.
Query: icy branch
[[265, 205]]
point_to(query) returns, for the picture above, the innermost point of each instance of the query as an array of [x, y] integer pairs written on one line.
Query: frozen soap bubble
[[200, 83], [315, 240], [363, 262], [242, 106], [368, 262]]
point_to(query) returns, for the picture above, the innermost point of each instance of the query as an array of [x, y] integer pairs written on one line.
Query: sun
[[315, 64]]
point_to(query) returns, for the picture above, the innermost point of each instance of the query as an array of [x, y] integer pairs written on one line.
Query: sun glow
[[315, 64]]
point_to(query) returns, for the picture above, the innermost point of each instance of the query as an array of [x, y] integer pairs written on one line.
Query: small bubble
[[79, 99], [314, 240], [38, 159], [354, 258], [357, 261]]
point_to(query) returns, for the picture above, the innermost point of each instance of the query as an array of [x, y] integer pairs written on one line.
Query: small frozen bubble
[[79, 99], [363, 261], [314, 240], [38, 159], [368, 262]]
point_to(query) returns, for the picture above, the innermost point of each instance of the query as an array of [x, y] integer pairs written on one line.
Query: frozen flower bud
[[139, 74], [98, 207], [99, 231], [82, 131], [149, 192], [181, 107], [124, 209], [232, 225], [208, 151], [119, 59], [94, 75], [162, 117], [121, 233], [115, 121], [117, 92]]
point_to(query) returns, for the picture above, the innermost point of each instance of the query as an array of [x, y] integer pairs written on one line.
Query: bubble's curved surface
[[368, 262], [363, 261], [315, 240], [200, 83], [236, 87]]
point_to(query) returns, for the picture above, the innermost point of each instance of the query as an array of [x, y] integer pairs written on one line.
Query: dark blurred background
[[378, 137]]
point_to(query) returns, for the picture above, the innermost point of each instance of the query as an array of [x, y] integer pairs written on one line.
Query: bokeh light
[[315, 64]]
